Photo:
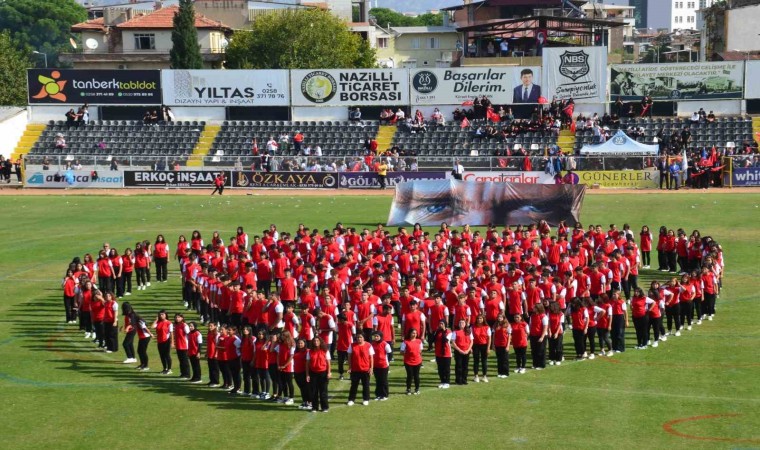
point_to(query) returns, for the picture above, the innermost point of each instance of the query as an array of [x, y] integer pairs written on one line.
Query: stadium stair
[[31, 134], [202, 148], [756, 128], [385, 136], [566, 141]]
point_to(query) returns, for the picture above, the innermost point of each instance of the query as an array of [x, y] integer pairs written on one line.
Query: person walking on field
[[219, 184], [382, 173]]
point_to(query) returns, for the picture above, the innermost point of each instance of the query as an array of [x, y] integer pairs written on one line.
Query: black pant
[[604, 339], [303, 386], [645, 258], [127, 280], [521, 356], [673, 316], [591, 335], [119, 285], [85, 321], [538, 351], [480, 353], [219, 189], [618, 332], [128, 344], [641, 324], [683, 263], [224, 369], [99, 334], [655, 324], [161, 268], [264, 286], [662, 260], [265, 380], [319, 383], [112, 336], [664, 179], [460, 367], [502, 361], [105, 284], [213, 371], [233, 366], [413, 374], [286, 384], [142, 351], [671, 257], [141, 276], [444, 369], [274, 375], [184, 364], [381, 178], [579, 339], [164, 352], [555, 348], [356, 378], [685, 312], [248, 371], [68, 306], [708, 306], [195, 364], [381, 382], [342, 359]]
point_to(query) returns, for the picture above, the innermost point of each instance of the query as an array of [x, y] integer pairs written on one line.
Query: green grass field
[[58, 392]]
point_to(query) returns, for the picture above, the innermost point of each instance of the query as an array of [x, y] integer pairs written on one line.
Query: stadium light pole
[[43, 54]]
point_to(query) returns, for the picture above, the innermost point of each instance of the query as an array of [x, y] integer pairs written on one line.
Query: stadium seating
[[336, 138], [124, 139], [736, 129]]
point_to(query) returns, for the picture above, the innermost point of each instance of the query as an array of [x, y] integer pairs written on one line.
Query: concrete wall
[[320, 113], [45, 113], [207, 114], [11, 130], [741, 29], [719, 107]]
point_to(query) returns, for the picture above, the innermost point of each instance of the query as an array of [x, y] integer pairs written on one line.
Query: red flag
[[569, 109], [542, 100], [492, 116], [718, 169], [468, 103]]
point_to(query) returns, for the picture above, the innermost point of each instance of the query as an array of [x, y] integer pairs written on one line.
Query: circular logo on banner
[[618, 140], [424, 82], [318, 86], [328, 181]]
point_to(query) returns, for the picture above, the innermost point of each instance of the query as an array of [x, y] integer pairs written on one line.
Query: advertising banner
[[746, 176], [509, 177], [349, 87], [751, 86], [96, 87], [225, 87], [630, 179], [579, 73], [677, 81], [35, 177], [430, 202], [502, 85], [368, 180], [178, 179], [309, 180]]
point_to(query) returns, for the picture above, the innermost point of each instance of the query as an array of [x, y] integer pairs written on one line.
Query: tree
[[41, 25], [388, 17], [185, 52], [299, 39], [13, 75]]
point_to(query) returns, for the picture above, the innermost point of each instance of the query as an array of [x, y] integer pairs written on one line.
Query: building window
[[145, 41], [415, 45], [432, 43], [382, 42]]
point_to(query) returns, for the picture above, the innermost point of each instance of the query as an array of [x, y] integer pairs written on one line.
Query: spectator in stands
[[272, 146], [114, 164], [285, 142], [491, 49], [472, 50], [255, 147], [619, 106], [504, 48], [400, 116], [317, 151], [76, 165], [265, 160], [101, 145], [458, 170], [168, 114], [418, 117], [646, 106], [685, 136], [146, 118], [355, 115], [60, 141], [631, 113], [694, 117], [154, 117], [45, 163], [306, 150], [84, 114], [458, 115], [71, 118], [478, 134], [702, 115], [711, 117], [386, 116], [238, 165], [161, 165], [373, 145]]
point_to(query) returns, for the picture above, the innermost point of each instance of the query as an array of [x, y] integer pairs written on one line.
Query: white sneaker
[[432, 360], [365, 403], [440, 386], [656, 344], [289, 401], [477, 380], [446, 386], [558, 363], [148, 283], [127, 361], [678, 333], [517, 370], [551, 363], [699, 322], [485, 379], [591, 356], [689, 328], [663, 338], [350, 403], [127, 293], [522, 370], [710, 318]]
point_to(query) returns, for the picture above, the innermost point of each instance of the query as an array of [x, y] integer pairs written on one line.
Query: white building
[[683, 13]]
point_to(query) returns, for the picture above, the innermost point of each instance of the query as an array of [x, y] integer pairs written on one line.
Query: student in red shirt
[[411, 348], [285, 350], [261, 362], [194, 341], [640, 305], [361, 355], [481, 346], [502, 332], [143, 335], [538, 329], [69, 284], [161, 257], [299, 372], [273, 368], [164, 329], [604, 324], [619, 321], [441, 339], [130, 330], [127, 264], [181, 333], [555, 333], [346, 331], [519, 342], [381, 361], [318, 374], [111, 323], [97, 312], [686, 294], [246, 360], [213, 365], [579, 318], [462, 344], [655, 313]]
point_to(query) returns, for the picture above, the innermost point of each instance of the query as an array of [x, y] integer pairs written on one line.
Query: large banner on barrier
[[349, 87], [308, 180], [677, 81], [509, 177], [430, 202], [96, 87], [579, 73], [174, 179], [746, 176], [630, 179], [35, 177], [502, 85], [365, 180], [225, 87]]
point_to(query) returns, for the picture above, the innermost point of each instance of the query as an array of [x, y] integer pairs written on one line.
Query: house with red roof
[[127, 39]]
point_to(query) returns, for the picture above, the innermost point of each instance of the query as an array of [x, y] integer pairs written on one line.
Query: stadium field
[[698, 391]]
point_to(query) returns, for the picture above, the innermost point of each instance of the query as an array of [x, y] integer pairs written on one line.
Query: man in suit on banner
[[527, 92]]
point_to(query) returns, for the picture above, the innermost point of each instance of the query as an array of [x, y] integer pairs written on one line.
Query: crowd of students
[[279, 308]]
